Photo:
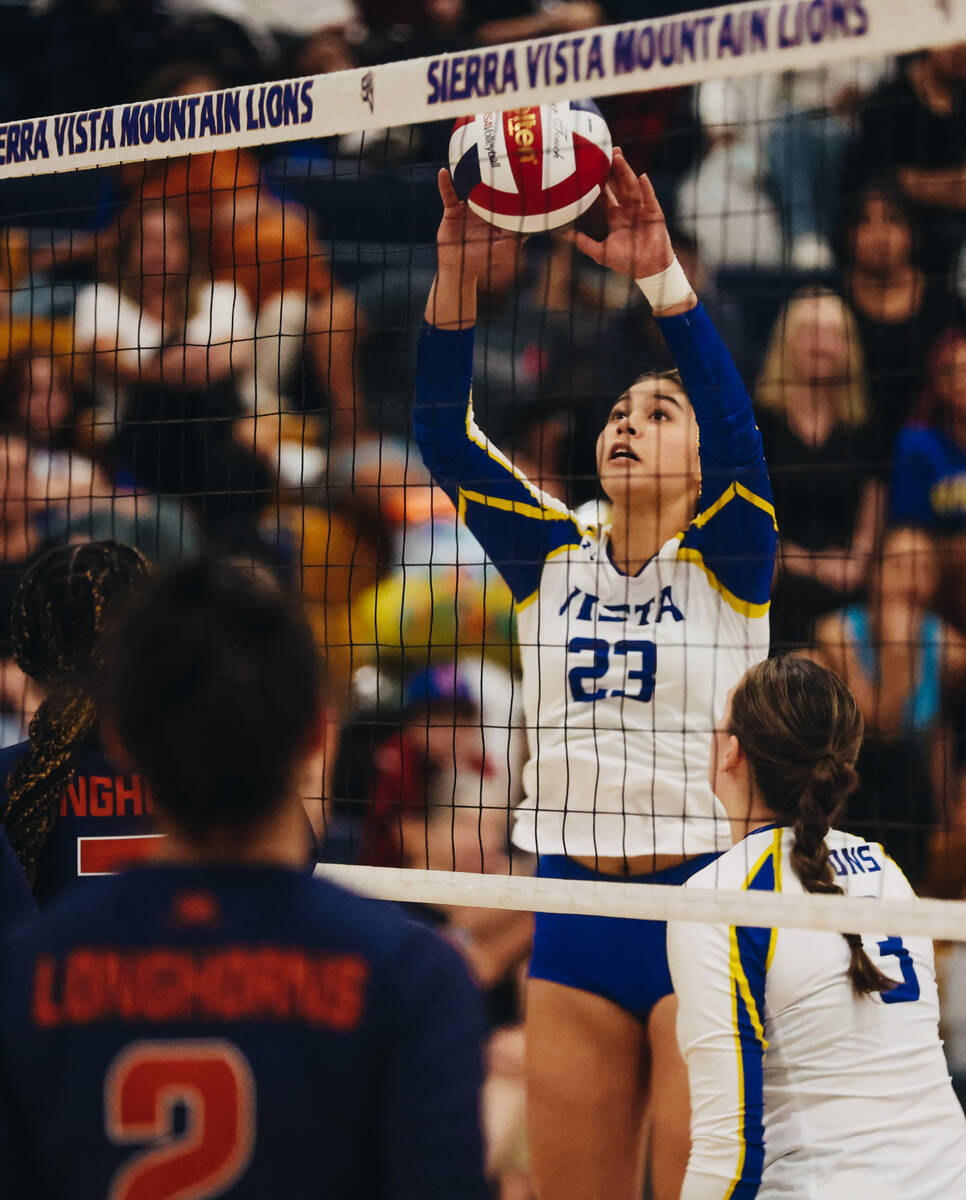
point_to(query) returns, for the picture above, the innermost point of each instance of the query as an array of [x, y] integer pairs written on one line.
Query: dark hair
[[64, 602], [800, 729], [213, 684], [886, 185], [931, 406]]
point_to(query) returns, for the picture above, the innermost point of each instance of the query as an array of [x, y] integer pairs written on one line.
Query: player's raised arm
[[516, 523], [733, 533]]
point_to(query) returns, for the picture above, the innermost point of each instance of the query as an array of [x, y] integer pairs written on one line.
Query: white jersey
[[623, 677], [622, 681], [799, 1088]]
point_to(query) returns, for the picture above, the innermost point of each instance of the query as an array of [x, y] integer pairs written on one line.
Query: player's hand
[[638, 243], [466, 244]]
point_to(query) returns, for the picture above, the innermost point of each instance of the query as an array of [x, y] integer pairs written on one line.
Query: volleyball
[[531, 169]]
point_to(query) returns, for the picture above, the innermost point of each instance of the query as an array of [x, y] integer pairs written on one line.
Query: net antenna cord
[[943, 920], [738, 39]]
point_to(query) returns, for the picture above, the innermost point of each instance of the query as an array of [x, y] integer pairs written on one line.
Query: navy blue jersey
[[105, 822], [16, 900], [246, 1032]]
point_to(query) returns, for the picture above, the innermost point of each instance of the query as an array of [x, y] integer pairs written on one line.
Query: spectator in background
[[824, 456], [498, 21], [915, 128], [270, 252], [900, 311], [67, 809], [805, 150], [929, 471], [20, 540], [166, 346], [722, 201], [40, 405], [903, 664]]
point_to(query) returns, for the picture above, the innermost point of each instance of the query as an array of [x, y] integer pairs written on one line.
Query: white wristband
[[667, 287]]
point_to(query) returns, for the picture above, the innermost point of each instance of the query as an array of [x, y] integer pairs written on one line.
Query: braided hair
[[800, 730], [63, 603]]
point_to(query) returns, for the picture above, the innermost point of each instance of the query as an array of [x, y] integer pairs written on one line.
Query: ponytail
[[59, 728], [823, 799], [801, 730], [64, 601]]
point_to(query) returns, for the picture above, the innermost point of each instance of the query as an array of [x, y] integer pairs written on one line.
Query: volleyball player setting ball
[[631, 636], [815, 1062]]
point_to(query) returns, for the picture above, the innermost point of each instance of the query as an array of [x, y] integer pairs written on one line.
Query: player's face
[[651, 438]]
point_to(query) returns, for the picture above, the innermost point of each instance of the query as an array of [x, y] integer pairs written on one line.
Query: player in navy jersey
[[67, 809], [220, 1023], [630, 635]]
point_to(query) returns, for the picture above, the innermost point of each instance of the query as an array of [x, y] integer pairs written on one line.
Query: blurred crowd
[[218, 351]]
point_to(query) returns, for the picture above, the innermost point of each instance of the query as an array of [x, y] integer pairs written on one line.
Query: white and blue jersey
[[623, 676], [800, 1088]]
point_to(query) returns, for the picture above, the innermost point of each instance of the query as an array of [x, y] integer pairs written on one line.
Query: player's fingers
[[447, 193], [586, 245], [625, 182], [649, 199]]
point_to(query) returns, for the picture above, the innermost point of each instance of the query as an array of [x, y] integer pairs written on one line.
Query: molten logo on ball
[[531, 169]]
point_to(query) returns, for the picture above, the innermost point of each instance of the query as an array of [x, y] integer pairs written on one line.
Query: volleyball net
[[209, 307]]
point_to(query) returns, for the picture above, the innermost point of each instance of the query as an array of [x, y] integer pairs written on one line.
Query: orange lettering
[[77, 794], [123, 794], [46, 1014], [101, 794]]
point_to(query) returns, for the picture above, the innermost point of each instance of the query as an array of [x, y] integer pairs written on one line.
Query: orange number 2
[[214, 1083]]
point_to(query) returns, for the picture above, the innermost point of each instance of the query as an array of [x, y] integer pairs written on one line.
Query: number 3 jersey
[[623, 676], [799, 1087]]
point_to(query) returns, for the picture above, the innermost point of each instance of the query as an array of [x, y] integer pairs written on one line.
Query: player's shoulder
[[750, 863], [9, 757]]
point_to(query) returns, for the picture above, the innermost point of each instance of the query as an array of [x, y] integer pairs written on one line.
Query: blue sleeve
[[17, 902], [734, 536], [912, 478], [516, 524], [433, 1144]]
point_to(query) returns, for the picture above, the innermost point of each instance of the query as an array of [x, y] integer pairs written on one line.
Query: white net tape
[[940, 919], [740, 39]]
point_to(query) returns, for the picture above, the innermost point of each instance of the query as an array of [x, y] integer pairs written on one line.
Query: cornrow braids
[[801, 730], [64, 601]]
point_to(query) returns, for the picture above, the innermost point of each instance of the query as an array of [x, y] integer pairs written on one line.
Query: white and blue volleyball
[[531, 169]]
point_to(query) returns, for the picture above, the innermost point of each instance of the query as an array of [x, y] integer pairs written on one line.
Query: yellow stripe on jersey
[[518, 507], [744, 608], [738, 976], [729, 494], [776, 849], [739, 1170], [478, 438]]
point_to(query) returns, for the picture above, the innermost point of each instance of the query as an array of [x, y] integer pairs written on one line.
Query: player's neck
[[282, 841], [636, 536]]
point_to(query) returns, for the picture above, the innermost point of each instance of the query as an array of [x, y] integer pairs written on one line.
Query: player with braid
[[68, 810], [815, 1063]]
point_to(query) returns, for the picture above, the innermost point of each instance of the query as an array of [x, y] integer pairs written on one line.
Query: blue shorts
[[623, 960]]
